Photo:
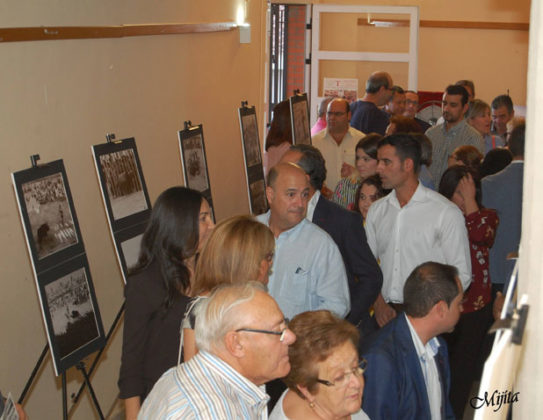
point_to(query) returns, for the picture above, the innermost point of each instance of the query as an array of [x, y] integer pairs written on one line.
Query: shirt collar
[[455, 128], [418, 195], [287, 233], [426, 351], [311, 205], [252, 393]]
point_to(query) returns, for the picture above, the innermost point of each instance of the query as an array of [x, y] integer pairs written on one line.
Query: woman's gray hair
[[217, 315]]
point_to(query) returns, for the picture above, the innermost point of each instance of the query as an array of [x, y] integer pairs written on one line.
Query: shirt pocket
[[296, 293]]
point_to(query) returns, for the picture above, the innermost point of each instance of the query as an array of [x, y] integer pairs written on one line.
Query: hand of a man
[[498, 305], [346, 170], [384, 313]]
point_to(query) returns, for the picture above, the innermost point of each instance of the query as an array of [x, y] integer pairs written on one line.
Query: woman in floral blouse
[[461, 186], [366, 165]]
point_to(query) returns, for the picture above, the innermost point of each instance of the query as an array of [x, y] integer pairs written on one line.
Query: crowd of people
[[385, 244]]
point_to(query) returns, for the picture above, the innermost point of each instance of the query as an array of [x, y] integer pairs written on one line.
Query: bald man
[[308, 272]]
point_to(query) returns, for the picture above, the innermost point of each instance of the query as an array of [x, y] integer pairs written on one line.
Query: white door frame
[[316, 54]]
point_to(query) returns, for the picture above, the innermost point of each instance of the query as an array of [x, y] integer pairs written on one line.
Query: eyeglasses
[[336, 114], [342, 380], [281, 333]]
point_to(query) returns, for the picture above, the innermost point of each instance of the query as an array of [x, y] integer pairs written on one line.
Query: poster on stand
[[194, 162], [252, 157], [70, 312], [59, 263], [48, 214], [299, 118], [125, 197]]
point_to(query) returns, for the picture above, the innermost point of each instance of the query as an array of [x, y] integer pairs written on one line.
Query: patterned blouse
[[345, 192], [481, 226]]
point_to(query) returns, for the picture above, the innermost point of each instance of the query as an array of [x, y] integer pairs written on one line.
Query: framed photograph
[[127, 245], [70, 312], [249, 136], [257, 191], [194, 161], [122, 183], [254, 170], [299, 116], [48, 215]]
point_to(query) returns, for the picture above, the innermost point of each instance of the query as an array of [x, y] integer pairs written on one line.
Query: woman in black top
[[156, 292]]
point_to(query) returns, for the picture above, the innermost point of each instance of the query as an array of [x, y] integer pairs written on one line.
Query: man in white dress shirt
[[411, 225]]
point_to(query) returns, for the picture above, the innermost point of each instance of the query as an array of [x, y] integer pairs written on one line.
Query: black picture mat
[[48, 215], [252, 157], [68, 301], [299, 119], [126, 239], [194, 162], [135, 193]]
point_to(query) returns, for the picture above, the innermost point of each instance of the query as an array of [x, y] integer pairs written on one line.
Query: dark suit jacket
[[395, 387], [503, 192], [363, 273]]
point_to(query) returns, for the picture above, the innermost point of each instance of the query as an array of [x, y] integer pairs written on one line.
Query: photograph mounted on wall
[[70, 312], [48, 214], [194, 161], [299, 116]]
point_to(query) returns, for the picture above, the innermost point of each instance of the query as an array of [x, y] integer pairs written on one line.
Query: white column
[[530, 378]]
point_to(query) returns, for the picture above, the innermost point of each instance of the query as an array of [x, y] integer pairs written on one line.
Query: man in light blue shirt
[[308, 272]]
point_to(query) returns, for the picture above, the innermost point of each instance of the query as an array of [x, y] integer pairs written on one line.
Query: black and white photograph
[[123, 182], [250, 139], [194, 163], [259, 203], [49, 214], [300, 119], [72, 314], [131, 251]]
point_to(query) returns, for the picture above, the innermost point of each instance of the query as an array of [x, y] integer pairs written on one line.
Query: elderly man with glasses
[[243, 340]]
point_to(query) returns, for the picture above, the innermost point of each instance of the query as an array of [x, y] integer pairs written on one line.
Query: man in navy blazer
[[503, 192], [347, 230], [407, 375]]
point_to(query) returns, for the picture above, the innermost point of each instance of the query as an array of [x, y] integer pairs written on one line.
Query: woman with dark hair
[[279, 137], [366, 165], [326, 378], [401, 124], [156, 291], [460, 185], [495, 160], [370, 190], [468, 156]]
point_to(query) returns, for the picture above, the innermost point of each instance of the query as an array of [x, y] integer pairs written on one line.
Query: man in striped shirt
[[454, 131], [243, 341]]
